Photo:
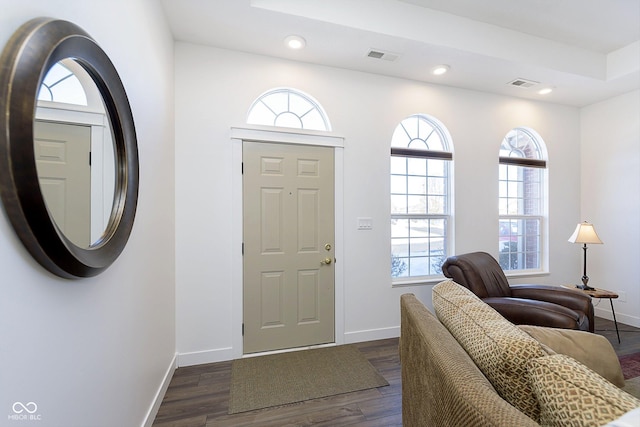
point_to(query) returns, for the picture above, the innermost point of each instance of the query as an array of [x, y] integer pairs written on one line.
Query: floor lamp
[[585, 233]]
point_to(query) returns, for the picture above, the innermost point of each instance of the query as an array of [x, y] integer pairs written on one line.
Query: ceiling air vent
[[379, 54], [523, 83]]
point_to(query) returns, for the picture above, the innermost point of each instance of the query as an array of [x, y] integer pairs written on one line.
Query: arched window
[[421, 159], [521, 200], [290, 108], [62, 85]]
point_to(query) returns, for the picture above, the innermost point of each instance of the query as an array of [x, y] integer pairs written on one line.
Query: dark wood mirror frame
[[32, 50]]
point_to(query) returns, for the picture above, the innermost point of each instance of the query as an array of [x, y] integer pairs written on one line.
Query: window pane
[[519, 244], [502, 172], [399, 228], [436, 167], [416, 185], [514, 189], [313, 121], [288, 120], [400, 138], [434, 142], [418, 247], [299, 105], [398, 204], [399, 266], [398, 165], [400, 247], [502, 207], [419, 228], [437, 186], [502, 189], [438, 227], [513, 173], [436, 205], [416, 204], [424, 128], [416, 166], [277, 102], [513, 206], [398, 184], [418, 266]]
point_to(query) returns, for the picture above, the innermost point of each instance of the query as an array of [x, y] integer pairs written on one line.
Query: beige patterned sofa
[[471, 367]]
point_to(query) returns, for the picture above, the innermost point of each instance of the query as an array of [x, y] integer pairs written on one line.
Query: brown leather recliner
[[539, 305]]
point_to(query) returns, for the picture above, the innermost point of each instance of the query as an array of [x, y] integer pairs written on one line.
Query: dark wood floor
[[198, 396]]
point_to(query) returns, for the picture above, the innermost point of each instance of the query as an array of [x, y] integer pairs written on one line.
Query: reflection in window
[[420, 194], [521, 201], [61, 85], [288, 108]]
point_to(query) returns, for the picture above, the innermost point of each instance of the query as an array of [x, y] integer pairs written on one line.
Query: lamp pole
[[585, 278]]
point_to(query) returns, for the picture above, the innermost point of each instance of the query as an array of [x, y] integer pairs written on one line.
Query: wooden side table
[[603, 293]]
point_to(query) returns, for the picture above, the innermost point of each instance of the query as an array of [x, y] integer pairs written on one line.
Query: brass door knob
[[326, 261]]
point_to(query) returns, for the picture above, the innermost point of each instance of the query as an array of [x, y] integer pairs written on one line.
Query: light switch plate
[[365, 223]]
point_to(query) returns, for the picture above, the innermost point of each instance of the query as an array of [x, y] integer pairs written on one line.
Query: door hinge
[[242, 248], [243, 329], [242, 168], [89, 158]]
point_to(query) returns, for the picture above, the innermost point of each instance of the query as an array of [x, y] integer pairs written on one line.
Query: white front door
[[288, 263], [64, 171]]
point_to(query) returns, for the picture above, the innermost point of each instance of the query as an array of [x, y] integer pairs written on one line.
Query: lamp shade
[[585, 233]]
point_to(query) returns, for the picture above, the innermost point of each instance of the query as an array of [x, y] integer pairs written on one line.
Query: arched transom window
[[61, 85], [420, 198], [521, 200], [290, 108]]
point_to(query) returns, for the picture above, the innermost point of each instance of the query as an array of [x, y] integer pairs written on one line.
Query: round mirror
[[68, 150]]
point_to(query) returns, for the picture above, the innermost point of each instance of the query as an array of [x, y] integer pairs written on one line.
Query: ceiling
[[587, 53]]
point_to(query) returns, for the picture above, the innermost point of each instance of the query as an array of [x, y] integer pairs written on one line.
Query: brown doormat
[[278, 379]]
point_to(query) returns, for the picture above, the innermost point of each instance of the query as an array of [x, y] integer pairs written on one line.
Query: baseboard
[[227, 353], [207, 356], [157, 401], [622, 318], [371, 335]]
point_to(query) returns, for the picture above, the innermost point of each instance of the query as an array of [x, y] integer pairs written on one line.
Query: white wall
[[214, 89], [610, 199], [95, 352]]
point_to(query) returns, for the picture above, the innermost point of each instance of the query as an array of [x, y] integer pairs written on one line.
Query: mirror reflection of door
[[71, 129], [62, 154], [289, 228]]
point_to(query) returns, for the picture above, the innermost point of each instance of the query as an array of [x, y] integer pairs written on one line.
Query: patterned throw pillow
[[499, 349], [592, 350], [570, 394]]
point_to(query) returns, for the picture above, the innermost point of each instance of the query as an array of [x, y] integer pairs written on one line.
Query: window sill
[[434, 280], [419, 281], [518, 274]]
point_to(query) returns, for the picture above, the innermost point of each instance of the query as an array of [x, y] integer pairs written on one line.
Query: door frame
[[270, 135]]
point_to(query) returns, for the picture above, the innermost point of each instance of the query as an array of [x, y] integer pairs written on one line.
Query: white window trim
[[544, 215], [434, 279]]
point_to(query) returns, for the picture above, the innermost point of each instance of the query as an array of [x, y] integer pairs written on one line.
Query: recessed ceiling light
[[440, 70], [295, 42], [545, 91]]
